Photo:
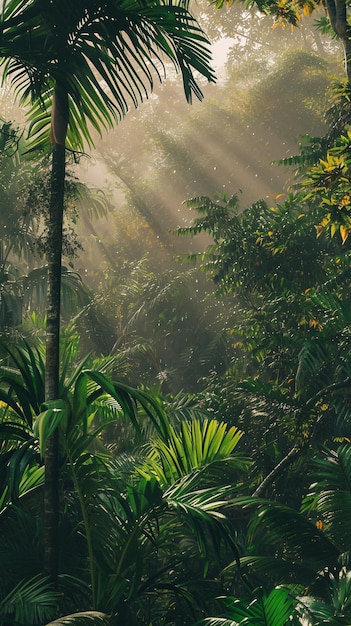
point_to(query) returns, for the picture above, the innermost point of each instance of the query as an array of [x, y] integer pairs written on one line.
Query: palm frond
[[330, 497], [93, 618], [195, 444], [302, 548], [312, 358], [273, 609], [30, 602], [106, 58], [271, 570], [219, 621], [186, 497], [315, 612], [24, 472], [129, 398]]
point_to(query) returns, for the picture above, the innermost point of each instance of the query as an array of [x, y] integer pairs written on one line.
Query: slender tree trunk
[[283, 463], [52, 370], [337, 13]]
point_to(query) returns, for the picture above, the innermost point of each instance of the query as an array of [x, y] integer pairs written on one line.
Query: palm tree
[[83, 64], [142, 534]]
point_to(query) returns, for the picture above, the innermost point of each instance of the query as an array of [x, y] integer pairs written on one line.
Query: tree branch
[[285, 462]]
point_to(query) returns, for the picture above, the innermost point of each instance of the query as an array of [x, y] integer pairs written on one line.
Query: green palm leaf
[[30, 602], [330, 496], [300, 549], [129, 398], [203, 511], [105, 55], [273, 609], [21, 463], [274, 569], [26, 383], [335, 608], [195, 444], [315, 612], [186, 497]]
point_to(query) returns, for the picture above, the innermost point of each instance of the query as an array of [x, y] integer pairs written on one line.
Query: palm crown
[[103, 55]]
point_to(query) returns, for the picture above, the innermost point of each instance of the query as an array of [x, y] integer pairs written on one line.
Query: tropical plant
[[130, 535], [52, 54], [273, 609], [290, 299], [328, 184], [308, 550]]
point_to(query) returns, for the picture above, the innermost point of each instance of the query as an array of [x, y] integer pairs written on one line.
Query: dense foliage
[[201, 424]]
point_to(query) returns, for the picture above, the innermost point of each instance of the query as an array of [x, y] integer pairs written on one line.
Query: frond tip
[[80, 619]]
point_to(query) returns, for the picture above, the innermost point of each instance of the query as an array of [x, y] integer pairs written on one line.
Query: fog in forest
[[271, 90]]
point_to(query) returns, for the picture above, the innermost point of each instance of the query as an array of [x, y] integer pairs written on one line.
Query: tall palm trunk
[[59, 125]]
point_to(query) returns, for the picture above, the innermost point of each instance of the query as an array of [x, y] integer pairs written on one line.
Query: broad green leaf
[[47, 422]]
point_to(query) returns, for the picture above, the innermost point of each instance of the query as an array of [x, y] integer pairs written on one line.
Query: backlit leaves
[[106, 56], [329, 183], [194, 445], [285, 12]]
